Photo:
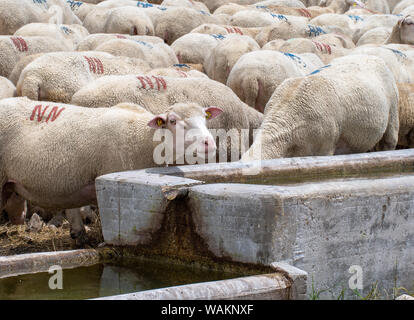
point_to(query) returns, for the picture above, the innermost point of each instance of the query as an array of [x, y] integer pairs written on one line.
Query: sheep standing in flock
[[84, 85]]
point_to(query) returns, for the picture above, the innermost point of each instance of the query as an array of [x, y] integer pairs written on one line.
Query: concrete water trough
[[324, 215], [104, 274]]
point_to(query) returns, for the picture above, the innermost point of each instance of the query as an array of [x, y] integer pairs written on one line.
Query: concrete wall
[[323, 227]]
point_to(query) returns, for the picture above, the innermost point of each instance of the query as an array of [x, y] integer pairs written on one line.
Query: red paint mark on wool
[[19, 43], [160, 82], [52, 116], [233, 30], [305, 13], [323, 47], [120, 36], [95, 65], [182, 74]]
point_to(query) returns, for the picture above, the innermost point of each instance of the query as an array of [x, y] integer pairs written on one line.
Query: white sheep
[[195, 47], [258, 73], [12, 49], [375, 21], [70, 35], [156, 54], [56, 153], [156, 93], [402, 5], [17, 13], [324, 51], [215, 29], [57, 76], [176, 22], [7, 88], [18, 68], [124, 20], [378, 35], [255, 18], [196, 5], [399, 62], [323, 114], [92, 41], [225, 54], [285, 31], [348, 24], [403, 31], [406, 114], [80, 8]]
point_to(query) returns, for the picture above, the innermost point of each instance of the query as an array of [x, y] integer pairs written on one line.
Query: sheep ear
[[158, 121], [212, 112]]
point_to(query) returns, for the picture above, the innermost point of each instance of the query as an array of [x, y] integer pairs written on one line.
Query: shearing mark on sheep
[[160, 82], [95, 65], [52, 116], [19, 43]]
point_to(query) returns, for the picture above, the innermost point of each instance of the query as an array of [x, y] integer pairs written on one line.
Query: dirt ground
[[17, 239]]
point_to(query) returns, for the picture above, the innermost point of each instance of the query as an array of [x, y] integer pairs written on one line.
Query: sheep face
[[407, 30], [188, 125]]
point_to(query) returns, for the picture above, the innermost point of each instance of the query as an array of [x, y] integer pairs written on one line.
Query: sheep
[[12, 49], [323, 114], [92, 41], [195, 47], [124, 20], [70, 35], [176, 22], [254, 19], [403, 31], [224, 56], [293, 11], [406, 114], [215, 29], [157, 55], [402, 5], [347, 24], [282, 30], [7, 88], [71, 140], [176, 72], [196, 5], [400, 63], [258, 73], [18, 68], [375, 36], [274, 45], [57, 76], [16, 13], [81, 8], [341, 6], [337, 40], [157, 93], [324, 51], [374, 21]]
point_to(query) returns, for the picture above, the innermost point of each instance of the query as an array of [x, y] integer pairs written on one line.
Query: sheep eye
[[173, 121]]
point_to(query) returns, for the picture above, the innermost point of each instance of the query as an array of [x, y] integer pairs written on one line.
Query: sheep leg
[[390, 138], [13, 204], [77, 228]]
